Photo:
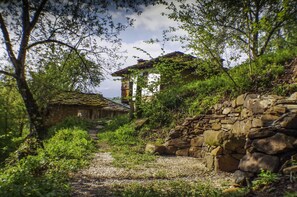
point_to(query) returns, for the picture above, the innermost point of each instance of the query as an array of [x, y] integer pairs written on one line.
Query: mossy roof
[[79, 99], [176, 56]]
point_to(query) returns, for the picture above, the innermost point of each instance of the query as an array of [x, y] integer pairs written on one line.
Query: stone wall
[[250, 133]]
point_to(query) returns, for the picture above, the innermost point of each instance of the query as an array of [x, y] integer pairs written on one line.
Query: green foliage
[[46, 172], [127, 146], [290, 194], [116, 122], [265, 178], [70, 123], [169, 189]]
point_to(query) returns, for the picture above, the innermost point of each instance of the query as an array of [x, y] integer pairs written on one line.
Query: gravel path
[[99, 178]]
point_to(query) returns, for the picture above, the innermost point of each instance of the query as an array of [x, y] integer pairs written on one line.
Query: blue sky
[[150, 24]]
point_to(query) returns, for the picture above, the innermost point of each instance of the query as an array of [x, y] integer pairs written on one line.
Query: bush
[[46, 173]]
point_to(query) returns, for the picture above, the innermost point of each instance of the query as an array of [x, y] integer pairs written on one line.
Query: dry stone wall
[[250, 133]]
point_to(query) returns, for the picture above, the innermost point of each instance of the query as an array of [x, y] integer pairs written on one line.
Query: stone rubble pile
[[250, 133]]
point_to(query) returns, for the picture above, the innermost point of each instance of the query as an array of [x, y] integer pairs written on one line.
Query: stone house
[[148, 73], [85, 105]]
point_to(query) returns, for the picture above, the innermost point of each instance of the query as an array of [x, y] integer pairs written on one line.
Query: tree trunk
[[36, 120]]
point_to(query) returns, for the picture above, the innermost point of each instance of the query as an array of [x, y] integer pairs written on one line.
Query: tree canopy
[[30, 29], [254, 27]]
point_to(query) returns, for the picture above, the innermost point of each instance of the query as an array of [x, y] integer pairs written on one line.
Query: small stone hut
[[84, 105]]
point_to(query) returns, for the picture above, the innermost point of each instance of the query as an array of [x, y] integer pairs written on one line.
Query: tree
[[250, 26], [31, 28]]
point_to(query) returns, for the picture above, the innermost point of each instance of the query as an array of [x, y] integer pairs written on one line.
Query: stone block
[[256, 122], [240, 100], [229, 120], [278, 143], [227, 163], [227, 126], [233, 103], [245, 113], [216, 126], [174, 133], [227, 110], [288, 121], [268, 119], [256, 161], [234, 144], [242, 127], [197, 141], [209, 160], [261, 133], [214, 138], [182, 152], [293, 96]]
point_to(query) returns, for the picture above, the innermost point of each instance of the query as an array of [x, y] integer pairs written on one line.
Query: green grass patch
[[127, 147], [46, 173], [169, 189]]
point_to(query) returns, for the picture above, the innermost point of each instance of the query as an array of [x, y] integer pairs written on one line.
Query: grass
[[168, 189], [126, 146]]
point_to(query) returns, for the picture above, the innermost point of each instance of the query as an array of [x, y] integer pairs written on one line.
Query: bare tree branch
[[37, 14], [7, 41]]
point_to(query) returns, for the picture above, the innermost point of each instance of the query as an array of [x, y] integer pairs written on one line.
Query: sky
[[149, 25]]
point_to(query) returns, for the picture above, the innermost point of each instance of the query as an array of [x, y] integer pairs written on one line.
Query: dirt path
[[101, 176]]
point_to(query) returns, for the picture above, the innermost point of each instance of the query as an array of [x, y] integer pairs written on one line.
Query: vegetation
[[46, 172], [170, 188], [127, 146]]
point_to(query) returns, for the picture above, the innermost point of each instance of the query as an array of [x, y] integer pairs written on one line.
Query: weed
[[265, 178]]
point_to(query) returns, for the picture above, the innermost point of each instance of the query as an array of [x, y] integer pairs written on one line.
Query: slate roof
[[150, 63], [79, 99]]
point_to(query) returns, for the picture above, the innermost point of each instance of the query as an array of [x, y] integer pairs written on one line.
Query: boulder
[[197, 141], [216, 126], [174, 133], [209, 160], [155, 149], [182, 152], [275, 144], [214, 138], [256, 122], [254, 162], [227, 163], [268, 119], [234, 144], [171, 150]]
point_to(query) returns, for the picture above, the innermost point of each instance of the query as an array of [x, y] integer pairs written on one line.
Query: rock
[[237, 156], [214, 138], [233, 103], [140, 122], [155, 149], [234, 144], [254, 105], [240, 99], [256, 161], [197, 141], [256, 122], [241, 177], [261, 133], [293, 96], [216, 126], [177, 142], [227, 163], [182, 152], [242, 127], [245, 113], [288, 121], [196, 152], [209, 159], [227, 110], [227, 126], [291, 169], [217, 151], [278, 143], [268, 119], [229, 120], [171, 150], [278, 110]]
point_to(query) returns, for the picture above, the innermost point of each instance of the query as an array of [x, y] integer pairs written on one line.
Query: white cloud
[[151, 19]]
